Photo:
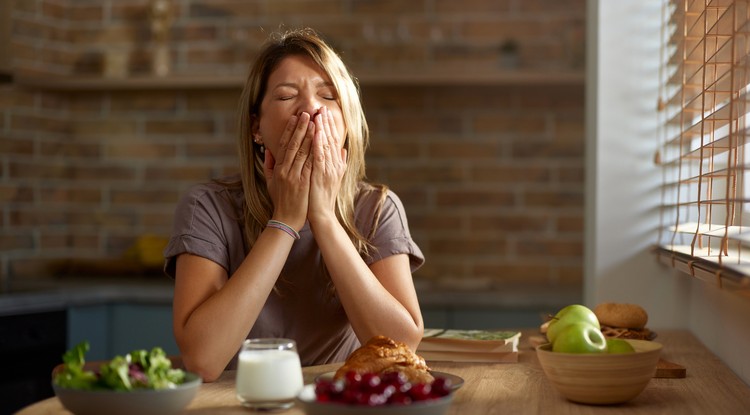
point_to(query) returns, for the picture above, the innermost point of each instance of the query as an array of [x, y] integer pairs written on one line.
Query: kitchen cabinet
[[30, 346], [118, 328]]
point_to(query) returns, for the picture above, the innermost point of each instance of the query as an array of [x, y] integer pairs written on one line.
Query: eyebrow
[[294, 85]]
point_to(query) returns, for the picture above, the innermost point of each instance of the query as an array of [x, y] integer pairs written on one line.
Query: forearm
[[212, 332], [370, 307]]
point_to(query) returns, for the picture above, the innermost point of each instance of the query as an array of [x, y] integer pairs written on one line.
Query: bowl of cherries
[[378, 394]]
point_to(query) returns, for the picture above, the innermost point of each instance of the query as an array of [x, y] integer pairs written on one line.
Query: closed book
[[485, 341], [469, 357]]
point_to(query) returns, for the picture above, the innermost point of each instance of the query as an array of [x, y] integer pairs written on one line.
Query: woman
[[297, 245]]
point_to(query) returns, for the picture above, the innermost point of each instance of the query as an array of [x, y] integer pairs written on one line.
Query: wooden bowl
[[601, 379]]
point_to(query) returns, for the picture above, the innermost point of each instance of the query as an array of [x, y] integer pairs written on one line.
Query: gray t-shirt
[[206, 224]]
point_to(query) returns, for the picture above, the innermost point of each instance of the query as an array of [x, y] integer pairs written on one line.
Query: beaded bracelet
[[284, 227]]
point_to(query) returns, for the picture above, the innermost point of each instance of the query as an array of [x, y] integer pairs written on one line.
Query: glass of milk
[[269, 374]]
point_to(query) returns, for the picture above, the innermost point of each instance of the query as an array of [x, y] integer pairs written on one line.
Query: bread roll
[[630, 316], [382, 355]]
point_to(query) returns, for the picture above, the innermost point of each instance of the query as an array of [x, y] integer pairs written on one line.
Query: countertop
[[710, 387]]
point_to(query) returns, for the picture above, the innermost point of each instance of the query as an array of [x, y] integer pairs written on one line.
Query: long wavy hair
[[258, 207]]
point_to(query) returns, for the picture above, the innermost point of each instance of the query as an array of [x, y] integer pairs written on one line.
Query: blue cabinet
[[118, 328]]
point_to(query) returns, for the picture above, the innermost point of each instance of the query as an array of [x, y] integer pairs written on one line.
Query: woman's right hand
[[288, 179]]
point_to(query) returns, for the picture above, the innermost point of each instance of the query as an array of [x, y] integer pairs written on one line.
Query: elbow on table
[[206, 370]]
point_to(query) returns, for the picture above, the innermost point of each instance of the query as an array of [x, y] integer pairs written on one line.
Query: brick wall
[[491, 175]]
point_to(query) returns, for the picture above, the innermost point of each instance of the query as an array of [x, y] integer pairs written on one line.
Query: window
[[703, 108]]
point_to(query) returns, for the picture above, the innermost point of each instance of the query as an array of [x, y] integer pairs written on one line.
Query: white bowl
[[306, 399], [601, 378], [141, 401]]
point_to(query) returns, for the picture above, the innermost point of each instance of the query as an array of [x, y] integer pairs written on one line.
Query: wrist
[[323, 221], [283, 227]]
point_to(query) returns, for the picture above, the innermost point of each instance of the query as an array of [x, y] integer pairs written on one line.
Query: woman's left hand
[[329, 165]]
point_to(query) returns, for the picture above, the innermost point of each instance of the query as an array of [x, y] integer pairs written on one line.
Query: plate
[[456, 381], [306, 400]]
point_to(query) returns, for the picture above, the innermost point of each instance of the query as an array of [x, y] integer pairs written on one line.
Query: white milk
[[268, 376]]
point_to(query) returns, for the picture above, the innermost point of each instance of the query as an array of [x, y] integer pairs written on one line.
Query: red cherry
[[420, 391], [441, 387], [400, 399]]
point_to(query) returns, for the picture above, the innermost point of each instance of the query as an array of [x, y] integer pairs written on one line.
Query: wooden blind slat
[[705, 92]]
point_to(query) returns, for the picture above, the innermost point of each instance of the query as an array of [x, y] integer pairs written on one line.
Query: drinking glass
[[269, 374]]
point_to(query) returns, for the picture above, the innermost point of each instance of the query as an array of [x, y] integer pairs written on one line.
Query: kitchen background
[[477, 115]]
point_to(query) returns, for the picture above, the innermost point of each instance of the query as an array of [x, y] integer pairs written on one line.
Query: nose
[[309, 103]]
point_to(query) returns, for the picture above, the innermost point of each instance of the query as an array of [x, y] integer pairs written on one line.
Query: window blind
[[703, 110]]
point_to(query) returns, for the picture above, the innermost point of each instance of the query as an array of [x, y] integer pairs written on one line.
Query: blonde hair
[[258, 207]]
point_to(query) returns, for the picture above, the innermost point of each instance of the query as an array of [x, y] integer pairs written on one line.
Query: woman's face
[[297, 85]]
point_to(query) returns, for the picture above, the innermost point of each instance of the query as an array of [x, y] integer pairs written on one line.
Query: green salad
[[139, 369]]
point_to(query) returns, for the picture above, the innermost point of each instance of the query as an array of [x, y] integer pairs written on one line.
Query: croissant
[[383, 355]]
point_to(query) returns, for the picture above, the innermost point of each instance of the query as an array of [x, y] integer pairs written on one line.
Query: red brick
[[69, 240], [72, 195], [474, 198], [434, 222], [570, 274], [196, 32], [143, 101], [143, 197], [39, 170], [518, 123], [528, 148], [482, 98], [551, 97], [509, 174], [29, 218], [574, 7], [222, 149], [467, 245], [389, 7], [575, 174], [473, 7], [457, 150], [225, 101], [161, 221], [509, 223], [213, 55], [19, 122], [88, 13], [138, 150], [16, 193], [285, 8], [569, 224], [388, 150], [385, 98], [191, 173], [225, 8], [105, 128], [70, 149], [14, 242], [554, 198], [183, 127], [16, 147], [428, 174], [546, 248], [419, 123], [103, 173], [509, 271]]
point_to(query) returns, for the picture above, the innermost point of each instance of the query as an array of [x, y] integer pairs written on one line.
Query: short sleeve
[[200, 228], [392, 236]]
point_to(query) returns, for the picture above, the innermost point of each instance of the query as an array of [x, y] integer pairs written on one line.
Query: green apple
[[580, 337], [617, 346], [571, 314]]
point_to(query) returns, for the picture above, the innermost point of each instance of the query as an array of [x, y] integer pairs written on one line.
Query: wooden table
[[521, 388]]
